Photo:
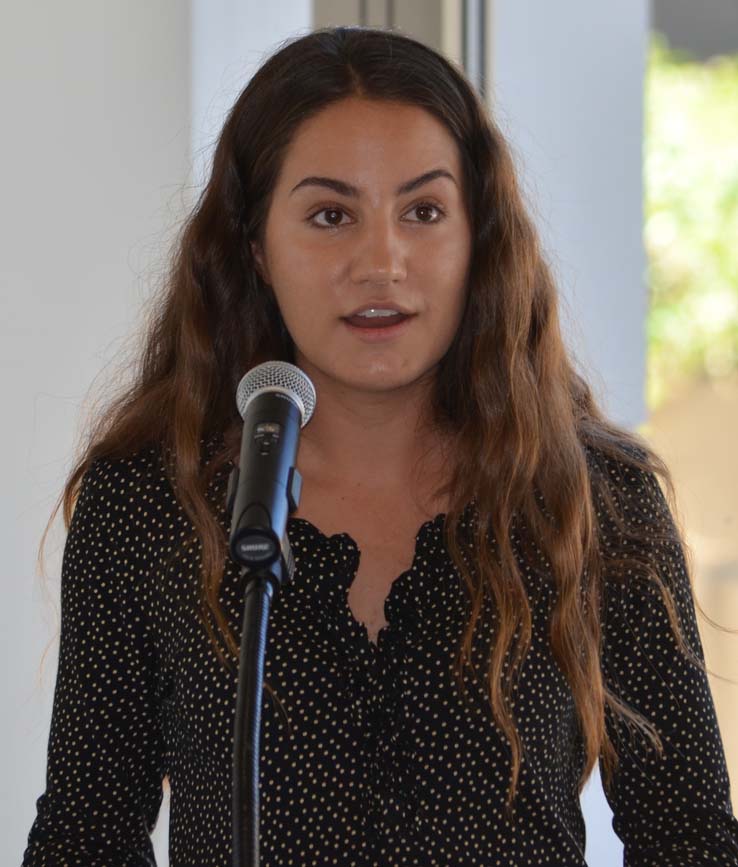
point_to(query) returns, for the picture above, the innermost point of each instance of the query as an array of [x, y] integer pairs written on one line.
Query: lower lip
[[372, 335]]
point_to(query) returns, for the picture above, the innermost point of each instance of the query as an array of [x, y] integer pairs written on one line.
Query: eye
[[331, 224], [426, 207]]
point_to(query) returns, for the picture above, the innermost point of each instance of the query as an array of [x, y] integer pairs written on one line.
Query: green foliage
[[691, 218]]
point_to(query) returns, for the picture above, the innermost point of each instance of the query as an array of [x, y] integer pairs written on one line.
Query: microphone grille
[[277, 376]]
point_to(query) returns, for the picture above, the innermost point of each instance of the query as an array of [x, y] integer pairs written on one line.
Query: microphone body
[[268, 484]]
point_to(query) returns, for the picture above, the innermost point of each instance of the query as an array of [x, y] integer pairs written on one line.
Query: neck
[[371, 444]]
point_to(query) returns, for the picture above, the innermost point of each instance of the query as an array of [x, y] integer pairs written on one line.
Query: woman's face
[[329, 252]]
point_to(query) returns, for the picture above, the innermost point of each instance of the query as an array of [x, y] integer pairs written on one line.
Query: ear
[[258, 255]]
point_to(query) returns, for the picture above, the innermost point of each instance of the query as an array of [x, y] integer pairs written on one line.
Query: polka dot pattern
[[372, 756]]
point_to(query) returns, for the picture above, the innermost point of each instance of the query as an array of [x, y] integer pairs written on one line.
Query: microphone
[[275, 399]]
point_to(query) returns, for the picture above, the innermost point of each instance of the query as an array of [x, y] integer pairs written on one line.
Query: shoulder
[[638, 536], [618, 460], [118, 481], [624, 480], [640, 541], [127, 503]]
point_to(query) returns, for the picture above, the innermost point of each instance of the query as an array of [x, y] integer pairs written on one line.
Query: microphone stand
[[261, 586]]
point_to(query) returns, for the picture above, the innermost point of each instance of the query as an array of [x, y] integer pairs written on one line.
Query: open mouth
[[376, 321], [378, 327]]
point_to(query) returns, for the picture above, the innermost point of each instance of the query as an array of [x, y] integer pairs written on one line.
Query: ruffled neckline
[[401, 609], [398, 612], [347, 540]]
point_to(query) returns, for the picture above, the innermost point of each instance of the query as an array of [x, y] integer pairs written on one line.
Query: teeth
[[374, 312]]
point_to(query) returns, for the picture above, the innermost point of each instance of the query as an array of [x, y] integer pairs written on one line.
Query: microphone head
[[277, 376]]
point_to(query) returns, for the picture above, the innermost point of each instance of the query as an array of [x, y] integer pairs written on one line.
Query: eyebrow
[[345, 189]]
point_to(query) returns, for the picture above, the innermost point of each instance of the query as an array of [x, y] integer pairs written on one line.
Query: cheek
[[445, 269], [302, 276], [304, 314]]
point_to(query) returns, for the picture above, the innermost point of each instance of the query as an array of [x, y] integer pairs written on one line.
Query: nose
[[379, 256]]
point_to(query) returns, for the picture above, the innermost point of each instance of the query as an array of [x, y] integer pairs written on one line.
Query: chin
[[381, 376]]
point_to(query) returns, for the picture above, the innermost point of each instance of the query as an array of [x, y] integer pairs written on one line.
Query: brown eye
[[425, 211], [331, 224]]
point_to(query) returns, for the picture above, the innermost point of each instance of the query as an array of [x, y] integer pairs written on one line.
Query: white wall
[[230, 40], [567, 89], [94, 151]]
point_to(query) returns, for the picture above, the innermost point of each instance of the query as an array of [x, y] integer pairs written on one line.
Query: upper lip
[[380, 305]]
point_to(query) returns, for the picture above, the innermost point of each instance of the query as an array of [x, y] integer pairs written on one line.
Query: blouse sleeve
[[671, 809], [105, 756]]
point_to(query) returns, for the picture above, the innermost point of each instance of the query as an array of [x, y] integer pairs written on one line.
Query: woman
[[465, 506]]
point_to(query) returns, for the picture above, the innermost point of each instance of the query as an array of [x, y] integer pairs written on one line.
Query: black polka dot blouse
[[375, 757]]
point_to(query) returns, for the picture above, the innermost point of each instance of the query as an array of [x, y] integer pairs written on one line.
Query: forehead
[[356, 133]]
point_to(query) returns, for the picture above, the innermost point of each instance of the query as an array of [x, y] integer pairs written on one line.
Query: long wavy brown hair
[[534, 450]]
